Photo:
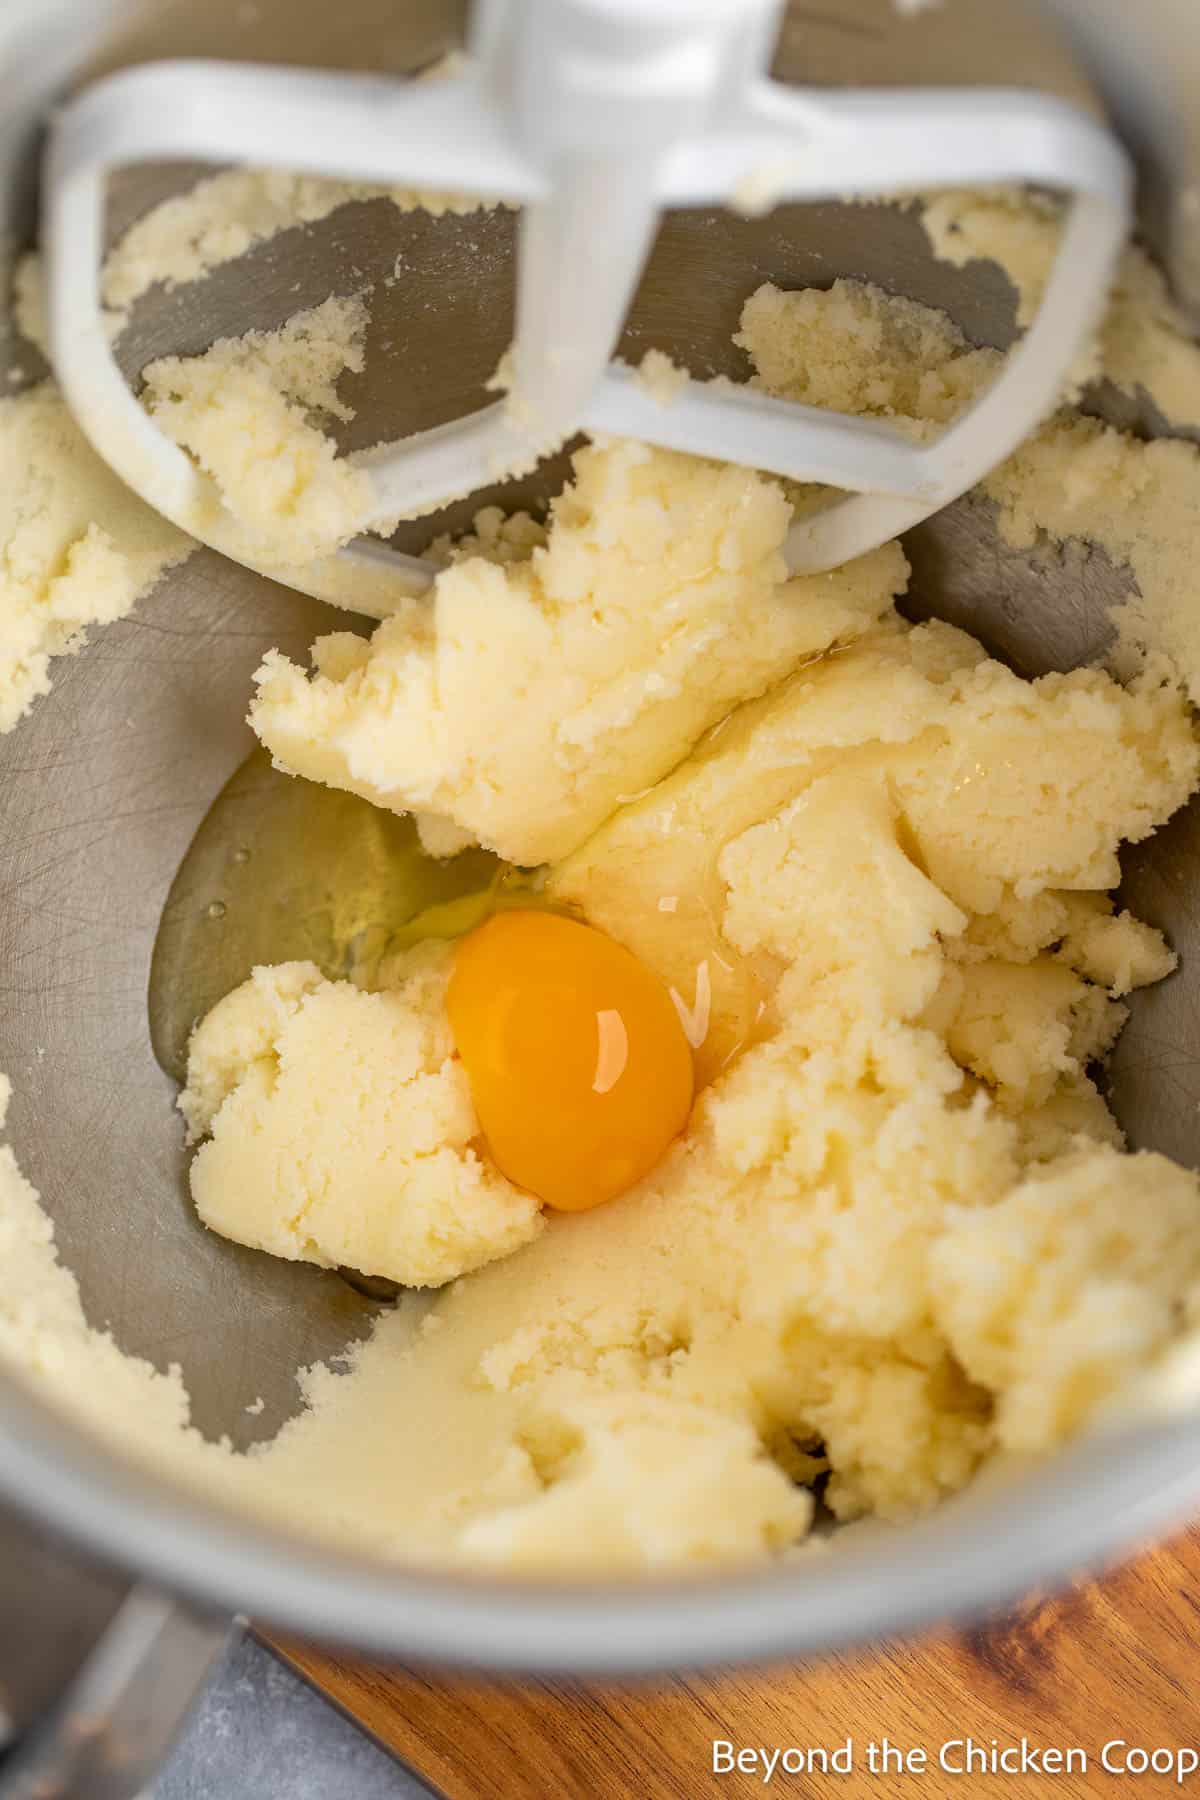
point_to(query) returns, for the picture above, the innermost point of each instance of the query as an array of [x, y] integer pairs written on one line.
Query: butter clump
[[1079, 1278], [858, 349], [76, 547], [852, 855], [250, 410], [519, 704], [340, 1128], [899, 1234]]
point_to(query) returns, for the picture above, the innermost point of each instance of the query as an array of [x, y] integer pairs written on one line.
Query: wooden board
[[1113, 1659]]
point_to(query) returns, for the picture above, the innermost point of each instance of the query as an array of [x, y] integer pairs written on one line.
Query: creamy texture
[[250, 411], [855, 349], [76, 547], [915, 842], [341, 1130], [900, 1234], [521, 704]]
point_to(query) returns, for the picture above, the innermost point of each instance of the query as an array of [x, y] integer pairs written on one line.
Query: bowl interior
[[103, 787]]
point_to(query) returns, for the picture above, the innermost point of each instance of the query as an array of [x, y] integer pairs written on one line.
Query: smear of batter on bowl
[[899, 1234], [76, 547], [185, 238], [1144, 341], [251, 411]]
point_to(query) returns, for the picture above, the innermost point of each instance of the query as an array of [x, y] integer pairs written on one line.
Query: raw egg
[[579, 1067]]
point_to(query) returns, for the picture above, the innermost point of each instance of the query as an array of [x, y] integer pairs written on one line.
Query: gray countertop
[[260, 1732]]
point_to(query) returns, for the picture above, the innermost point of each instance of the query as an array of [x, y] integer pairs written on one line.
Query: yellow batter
[[900, 1234]]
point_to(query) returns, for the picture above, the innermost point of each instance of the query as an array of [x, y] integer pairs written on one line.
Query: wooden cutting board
[[1117, 1658]]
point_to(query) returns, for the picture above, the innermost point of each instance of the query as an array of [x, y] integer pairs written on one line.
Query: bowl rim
[[1103, 1495]]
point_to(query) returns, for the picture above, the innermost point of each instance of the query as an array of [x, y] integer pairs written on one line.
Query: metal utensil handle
[[132, 1662]]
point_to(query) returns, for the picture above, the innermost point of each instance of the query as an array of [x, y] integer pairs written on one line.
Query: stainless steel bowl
[[102, 788]]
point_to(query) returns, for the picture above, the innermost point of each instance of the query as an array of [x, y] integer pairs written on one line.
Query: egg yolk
[[579, 1068]]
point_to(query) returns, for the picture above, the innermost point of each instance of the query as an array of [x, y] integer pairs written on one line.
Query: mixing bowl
[[102, 787]]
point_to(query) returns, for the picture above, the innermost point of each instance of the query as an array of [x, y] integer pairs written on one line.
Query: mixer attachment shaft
[[593, 116]]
